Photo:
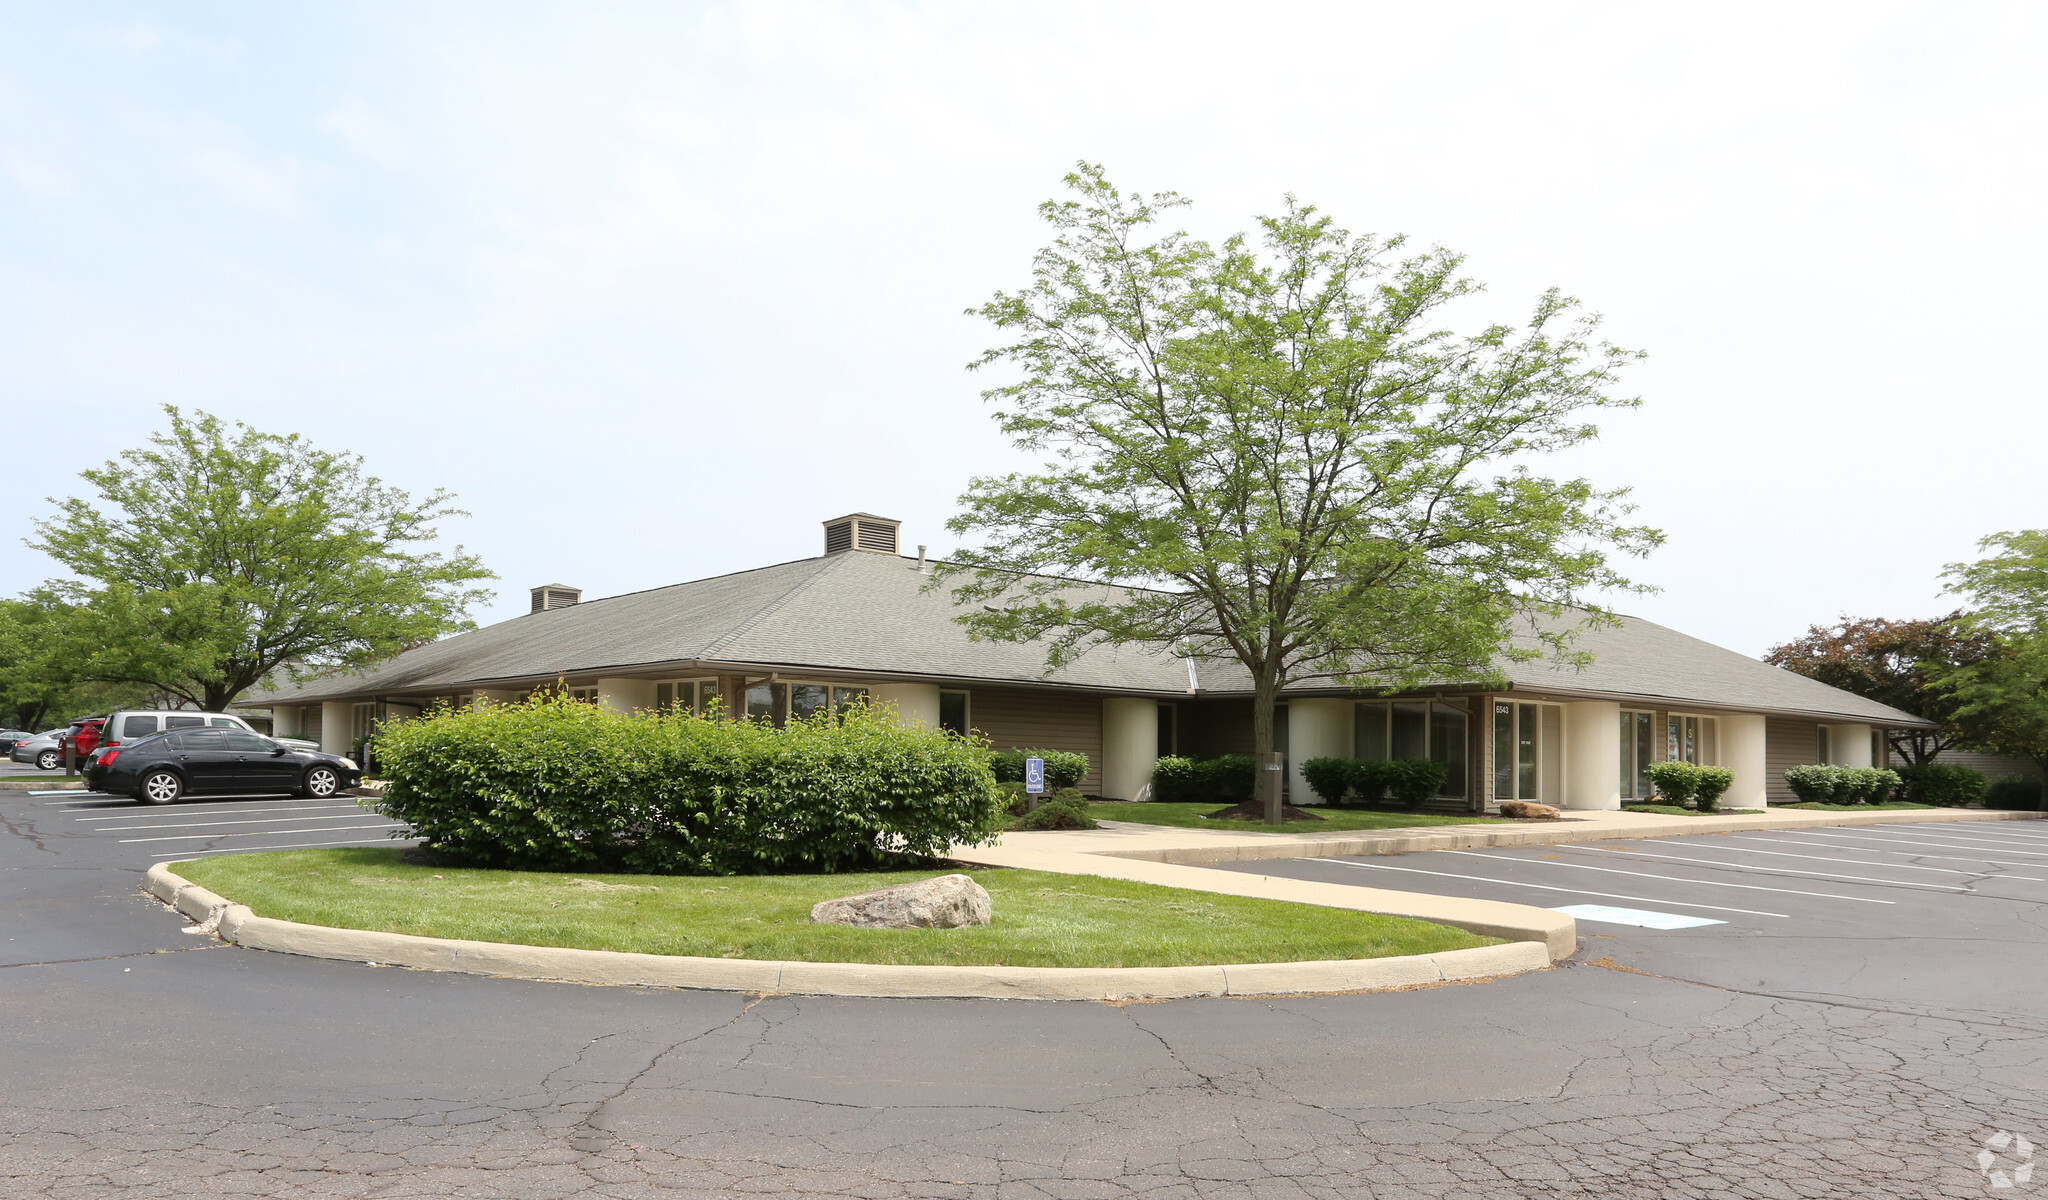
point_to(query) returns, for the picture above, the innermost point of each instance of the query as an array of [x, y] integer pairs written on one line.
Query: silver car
[[42, 750]]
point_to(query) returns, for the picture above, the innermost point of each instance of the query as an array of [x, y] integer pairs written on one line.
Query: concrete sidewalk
[[1164, 855]]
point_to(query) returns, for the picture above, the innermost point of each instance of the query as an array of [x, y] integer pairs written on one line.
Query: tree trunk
[[1265, 784]]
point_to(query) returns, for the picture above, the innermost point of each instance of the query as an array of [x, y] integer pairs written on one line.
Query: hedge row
[[1223, 780], [1062, 768], [1841, 785], [1943, 784], [1683, 782], [1408, 781], [557, 784]]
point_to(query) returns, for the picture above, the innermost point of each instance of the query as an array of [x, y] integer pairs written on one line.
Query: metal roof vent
[[861, 531], [555, 595]]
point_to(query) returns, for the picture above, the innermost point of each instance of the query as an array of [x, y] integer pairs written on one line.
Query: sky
[[657, 288]]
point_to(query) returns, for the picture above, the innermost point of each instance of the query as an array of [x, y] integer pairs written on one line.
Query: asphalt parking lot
[[202, 826], [1894, 912]]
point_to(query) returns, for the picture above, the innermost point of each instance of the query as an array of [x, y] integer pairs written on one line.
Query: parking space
[[209, 825], [1801, 911]]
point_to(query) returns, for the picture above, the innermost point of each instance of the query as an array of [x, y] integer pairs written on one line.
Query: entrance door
[[256, 768], [204, 756]]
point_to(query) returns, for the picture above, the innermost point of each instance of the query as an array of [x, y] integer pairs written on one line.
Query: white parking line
[[1546, 888], [211, 824], [180, 854], [1714, 862], [1944, 845], [1858, 862], [132, 814], [1965, 835], [1867, 849], [201, 837], [1747, 887]]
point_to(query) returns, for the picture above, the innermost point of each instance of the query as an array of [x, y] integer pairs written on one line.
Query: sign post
[[1034, 779], [1271, 777]]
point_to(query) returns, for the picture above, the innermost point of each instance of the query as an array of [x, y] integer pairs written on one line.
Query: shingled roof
[[869, 615]]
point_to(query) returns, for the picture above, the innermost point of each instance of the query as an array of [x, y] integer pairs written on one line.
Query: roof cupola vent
[[861, 531], [555, 595]]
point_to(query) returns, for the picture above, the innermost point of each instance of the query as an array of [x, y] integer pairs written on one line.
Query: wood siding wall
[[1994, 766], [1788, 743], [1021, 718]]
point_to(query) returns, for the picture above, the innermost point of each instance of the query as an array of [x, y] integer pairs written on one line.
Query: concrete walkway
[[1164, 855]]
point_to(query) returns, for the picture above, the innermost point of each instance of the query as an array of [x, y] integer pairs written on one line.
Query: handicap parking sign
[[1034, 776]]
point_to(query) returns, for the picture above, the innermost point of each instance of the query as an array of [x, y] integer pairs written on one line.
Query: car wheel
[[160, 787], [322, 782], [48, 760]]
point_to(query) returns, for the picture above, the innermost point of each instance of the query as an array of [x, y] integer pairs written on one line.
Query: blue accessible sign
[[1034, 776]]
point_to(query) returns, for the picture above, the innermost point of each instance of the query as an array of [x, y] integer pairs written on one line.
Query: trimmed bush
[[1676, 782], [1841, 785], [559, 785], [2020, 794], [1062, 769], [1064, 809], [1173, 779], [1714, 783], [1370, 778], [1876, 784], [1328, 778], [1223, 780], [1413, 780], [1944, 784], [1811, 783]]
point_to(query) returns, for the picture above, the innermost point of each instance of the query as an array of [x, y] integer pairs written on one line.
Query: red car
[[83, 737]]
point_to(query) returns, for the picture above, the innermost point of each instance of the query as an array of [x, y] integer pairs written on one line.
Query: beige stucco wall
[[1130, 745], [1744, 751], [1592, 754]]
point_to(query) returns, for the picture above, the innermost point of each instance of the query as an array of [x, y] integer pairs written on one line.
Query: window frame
[[1386, 709]]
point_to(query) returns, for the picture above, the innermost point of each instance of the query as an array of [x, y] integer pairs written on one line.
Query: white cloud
[[246, 183], [143, 37], [366, 133], [34, 175]]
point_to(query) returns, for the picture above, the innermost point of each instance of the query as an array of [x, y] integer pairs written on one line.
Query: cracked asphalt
[[140, 1060]]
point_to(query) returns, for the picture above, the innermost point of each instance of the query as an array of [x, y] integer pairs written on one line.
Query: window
[[1427, 729], [843, 696], [1168, 733], [1527, 764], [201, 739], [184, 722], [761, 702], [665, 695], [1820, 744], [807, 700], [135, 727], [953, 712], [246, 742], [587, 694], [364, 721], [225, 723], [1692, 739], [1638, 751]]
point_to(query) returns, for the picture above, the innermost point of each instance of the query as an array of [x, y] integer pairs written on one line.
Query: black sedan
[[159, 769]]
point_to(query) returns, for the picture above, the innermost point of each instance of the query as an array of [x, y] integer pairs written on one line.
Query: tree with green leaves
[[2005, 694], [213, 558], [1906, 664], [1284, 457], [39, 688]]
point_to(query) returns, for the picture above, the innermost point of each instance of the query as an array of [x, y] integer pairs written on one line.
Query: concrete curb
[[236, 923]]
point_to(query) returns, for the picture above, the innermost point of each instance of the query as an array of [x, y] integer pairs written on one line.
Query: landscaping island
[[1040, 919]]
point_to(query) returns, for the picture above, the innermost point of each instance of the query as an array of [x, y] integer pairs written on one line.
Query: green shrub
[[1062, 769], [1328, 778], [1016, 801], [1413, 780], [1875, 784], [1173, 779], [1944, 784], [1370, 778], [1713, 783], [1064, 809], [1676, 782], [561, 785], [2020, 794], [1812, 784]]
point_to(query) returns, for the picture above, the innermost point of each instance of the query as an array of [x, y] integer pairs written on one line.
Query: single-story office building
[[859, 622]]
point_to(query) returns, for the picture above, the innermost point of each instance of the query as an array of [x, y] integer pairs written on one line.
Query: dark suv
[[163, 767]]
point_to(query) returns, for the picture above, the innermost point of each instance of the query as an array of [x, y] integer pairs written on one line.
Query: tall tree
[[213, 558], [1280, 447], [39, 685], [1906, 664], [2006, 693]]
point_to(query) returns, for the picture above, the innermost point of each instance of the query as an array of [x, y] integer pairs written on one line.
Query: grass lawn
[[1887, 806], [1040, 919], [1335, 820], [1673, 810]]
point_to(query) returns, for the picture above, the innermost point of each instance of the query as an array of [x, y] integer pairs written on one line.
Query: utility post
[[1272, 773]]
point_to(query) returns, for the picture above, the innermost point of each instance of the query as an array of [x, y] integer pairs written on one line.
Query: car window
[[225, 723], [137, 726], [242, 739], [184, 722], [201, 739]]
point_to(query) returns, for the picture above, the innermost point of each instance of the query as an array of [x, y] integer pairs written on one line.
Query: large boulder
[[948, 902], [1528, 810]]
